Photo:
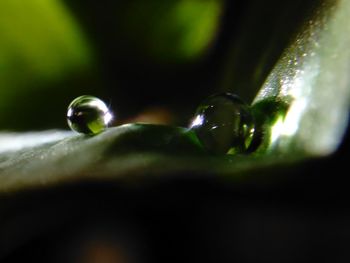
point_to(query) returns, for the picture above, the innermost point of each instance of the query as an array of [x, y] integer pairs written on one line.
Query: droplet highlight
[[224, 124], [89, 115]]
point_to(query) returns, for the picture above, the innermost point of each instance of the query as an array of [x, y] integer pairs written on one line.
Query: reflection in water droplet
[[224, 124], [88, 114]]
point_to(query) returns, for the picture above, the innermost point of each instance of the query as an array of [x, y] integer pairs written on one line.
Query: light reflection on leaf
[[312, 77]]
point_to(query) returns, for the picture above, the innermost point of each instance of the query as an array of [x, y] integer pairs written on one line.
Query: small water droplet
[[224, 124], [89, 115]]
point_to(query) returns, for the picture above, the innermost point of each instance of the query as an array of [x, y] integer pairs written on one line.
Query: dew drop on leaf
[[89, 115], [224, 124]]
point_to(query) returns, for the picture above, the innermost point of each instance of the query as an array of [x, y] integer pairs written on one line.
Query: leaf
[[126, 152], [294, 114], [312, 81]]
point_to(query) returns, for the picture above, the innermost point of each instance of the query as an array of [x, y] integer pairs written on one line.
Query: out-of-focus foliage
[[41, 45], [171, 31]]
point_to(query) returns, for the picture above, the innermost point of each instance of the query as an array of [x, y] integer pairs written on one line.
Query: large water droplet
[[224, 124], [89, 115]]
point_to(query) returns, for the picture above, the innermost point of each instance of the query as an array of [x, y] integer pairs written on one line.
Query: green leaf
[[311, 81], [126, 152], [301, 108]]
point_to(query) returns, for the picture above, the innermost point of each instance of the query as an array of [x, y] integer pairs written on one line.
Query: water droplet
[[224, 124], [88, 114]]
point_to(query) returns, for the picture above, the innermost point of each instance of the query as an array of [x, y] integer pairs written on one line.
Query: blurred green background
[[135, 55], [52, 51]]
